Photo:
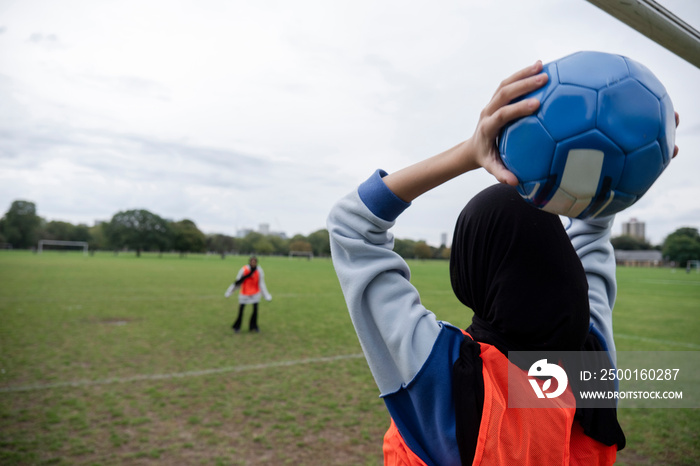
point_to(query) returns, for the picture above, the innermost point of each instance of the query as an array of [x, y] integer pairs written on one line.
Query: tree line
[[140, 230]]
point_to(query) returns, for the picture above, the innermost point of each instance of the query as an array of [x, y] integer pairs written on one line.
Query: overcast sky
[[232, 113]]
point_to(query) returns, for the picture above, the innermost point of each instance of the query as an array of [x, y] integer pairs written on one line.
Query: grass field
[[116, 360]]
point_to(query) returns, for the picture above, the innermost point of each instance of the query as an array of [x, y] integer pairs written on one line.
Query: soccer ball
[[604, 132]]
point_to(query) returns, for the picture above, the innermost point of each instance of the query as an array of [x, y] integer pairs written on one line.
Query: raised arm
[[396, 332], [591, 239]]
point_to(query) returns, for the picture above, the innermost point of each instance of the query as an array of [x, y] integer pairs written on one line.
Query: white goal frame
[[658, 24], [55, 242], [308, 254]]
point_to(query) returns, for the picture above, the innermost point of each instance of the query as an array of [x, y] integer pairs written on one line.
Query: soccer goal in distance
[[308, 254], [63, 244]]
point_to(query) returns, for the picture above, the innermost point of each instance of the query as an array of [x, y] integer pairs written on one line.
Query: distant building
[[645, 258], [443, 239], [263, 229], [635, 229]]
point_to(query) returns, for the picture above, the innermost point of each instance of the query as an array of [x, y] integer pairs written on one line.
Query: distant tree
[[81, 232], [263, 246], [682, 245], [422, 250], [246, 245], [320, 242], [405, 248], [65, 231], [220, 244], [443, 252], [281, 245], [140, 230], [98, 237], [187, 237], [57, 230], [300, 244], [629, 243], [21, 225]]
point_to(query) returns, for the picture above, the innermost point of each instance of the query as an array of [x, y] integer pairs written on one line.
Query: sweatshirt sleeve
[[395, 330], [591, 239]]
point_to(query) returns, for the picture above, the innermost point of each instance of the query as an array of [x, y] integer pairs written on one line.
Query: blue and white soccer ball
[[604, 132]]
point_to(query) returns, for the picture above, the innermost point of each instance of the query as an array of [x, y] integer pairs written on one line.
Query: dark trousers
[[253, 326]]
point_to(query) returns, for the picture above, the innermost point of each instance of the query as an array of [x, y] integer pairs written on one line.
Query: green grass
[[659, 310], [117, 360]]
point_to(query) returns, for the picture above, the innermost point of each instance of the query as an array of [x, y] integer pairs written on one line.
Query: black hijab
[[515, 267]]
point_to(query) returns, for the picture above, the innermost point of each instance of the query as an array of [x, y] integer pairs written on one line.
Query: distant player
[[251, 283]]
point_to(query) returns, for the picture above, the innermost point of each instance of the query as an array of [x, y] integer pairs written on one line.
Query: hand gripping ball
[[604, 132]]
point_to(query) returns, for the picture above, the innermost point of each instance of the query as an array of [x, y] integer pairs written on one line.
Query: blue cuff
[[379, 199]]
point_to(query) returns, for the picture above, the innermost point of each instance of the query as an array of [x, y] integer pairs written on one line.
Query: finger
[[675, 148], [502, 174], [505, 95], [504, 115], [524, 73], [506, 87]]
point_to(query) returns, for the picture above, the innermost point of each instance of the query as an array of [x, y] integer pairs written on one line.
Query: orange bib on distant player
[[250, 285], [522, 436]]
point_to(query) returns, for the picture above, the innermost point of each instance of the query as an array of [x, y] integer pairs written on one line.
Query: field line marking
[[175, 375], [656, 340]]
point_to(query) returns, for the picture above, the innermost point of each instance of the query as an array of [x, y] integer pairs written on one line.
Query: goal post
[[54, 242], [658, 24], [308, 254]]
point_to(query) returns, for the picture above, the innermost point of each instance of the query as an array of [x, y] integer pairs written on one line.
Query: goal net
[[308, 254], [63, 244]]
